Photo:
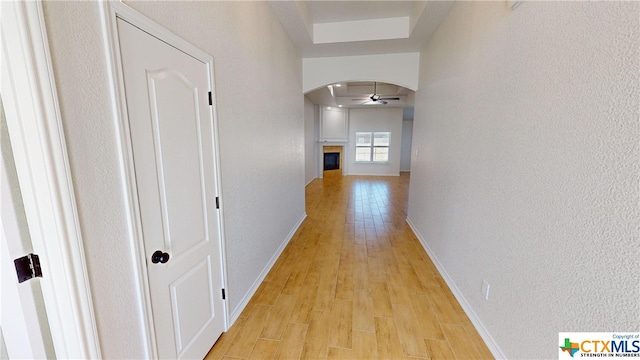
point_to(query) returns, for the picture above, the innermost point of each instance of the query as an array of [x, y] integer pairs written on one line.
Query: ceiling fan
[[375, 98]]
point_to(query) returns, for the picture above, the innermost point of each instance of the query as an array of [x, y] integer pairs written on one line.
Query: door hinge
[[28, 267], [217, 202], [224, 297], [210, 98]]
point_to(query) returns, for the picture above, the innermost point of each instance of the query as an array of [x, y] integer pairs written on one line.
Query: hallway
[[353, 283]]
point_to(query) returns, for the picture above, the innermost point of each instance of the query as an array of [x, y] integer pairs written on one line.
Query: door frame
[[42, 165], [26, 330], [110, 11]]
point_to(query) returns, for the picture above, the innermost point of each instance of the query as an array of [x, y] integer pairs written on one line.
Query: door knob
[[159, 257]]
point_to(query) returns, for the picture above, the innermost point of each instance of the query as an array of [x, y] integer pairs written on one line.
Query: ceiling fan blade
[[382, 102], [394, 98]]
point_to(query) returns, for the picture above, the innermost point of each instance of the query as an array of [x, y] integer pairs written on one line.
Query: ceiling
[[324, 28]]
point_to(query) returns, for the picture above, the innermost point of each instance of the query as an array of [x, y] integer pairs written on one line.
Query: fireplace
[[331, 160]]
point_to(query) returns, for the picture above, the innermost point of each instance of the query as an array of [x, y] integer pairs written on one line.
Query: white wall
[[377, 119], [400, 69], [405, 151], [528, 168], [334, 124], [261, 144], [310, 145]]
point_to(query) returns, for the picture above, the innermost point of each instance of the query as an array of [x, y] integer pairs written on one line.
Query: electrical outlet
[[485, 289], [416, 152]]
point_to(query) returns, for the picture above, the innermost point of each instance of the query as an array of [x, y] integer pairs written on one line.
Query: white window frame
[[372, 147]]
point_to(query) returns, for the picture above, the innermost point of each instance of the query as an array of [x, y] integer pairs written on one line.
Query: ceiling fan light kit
[[361, 94], [375, 98]]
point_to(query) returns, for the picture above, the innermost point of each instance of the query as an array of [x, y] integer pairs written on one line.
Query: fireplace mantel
[[331, 143]]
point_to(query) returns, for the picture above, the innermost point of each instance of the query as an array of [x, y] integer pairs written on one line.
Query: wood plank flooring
[[353, 283]]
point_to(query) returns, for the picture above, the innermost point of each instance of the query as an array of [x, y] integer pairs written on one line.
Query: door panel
[[178, 152], [171, 127], [191, 303]]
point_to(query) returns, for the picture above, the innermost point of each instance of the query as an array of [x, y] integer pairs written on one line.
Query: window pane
[[381, 138], [381, 154], [363, 139], [363, 154]]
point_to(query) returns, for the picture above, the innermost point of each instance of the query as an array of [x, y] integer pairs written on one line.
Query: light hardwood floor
[[353, 283]]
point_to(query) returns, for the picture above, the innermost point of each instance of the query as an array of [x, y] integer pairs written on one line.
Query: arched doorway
[[341, 117]]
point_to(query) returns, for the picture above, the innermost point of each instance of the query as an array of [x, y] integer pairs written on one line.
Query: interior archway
[[336, 113], [358, 93]]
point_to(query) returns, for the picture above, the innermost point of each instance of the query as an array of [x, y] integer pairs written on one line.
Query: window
[[372, 146]]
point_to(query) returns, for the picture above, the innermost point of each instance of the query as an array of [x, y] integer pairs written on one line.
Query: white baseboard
[[256, 284], [354, 174], [475, 320]]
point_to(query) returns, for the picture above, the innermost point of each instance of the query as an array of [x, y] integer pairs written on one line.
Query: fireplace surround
[[331, 160]]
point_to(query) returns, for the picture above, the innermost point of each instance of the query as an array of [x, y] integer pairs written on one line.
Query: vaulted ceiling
[[349, 28]]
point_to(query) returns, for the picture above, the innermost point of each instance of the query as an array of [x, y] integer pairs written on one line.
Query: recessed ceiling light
[[338, 85], [339, 105]]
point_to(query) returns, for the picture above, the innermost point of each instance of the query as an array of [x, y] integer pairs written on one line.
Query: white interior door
[[172, 136], [23, 321]]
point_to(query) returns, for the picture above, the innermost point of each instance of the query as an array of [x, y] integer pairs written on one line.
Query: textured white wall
[[261, 145], [405, 152], [378, 119], [528, 170], [310, 145], [80, 72]]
